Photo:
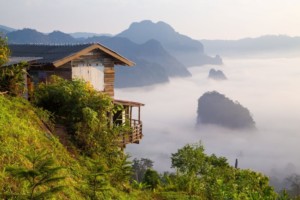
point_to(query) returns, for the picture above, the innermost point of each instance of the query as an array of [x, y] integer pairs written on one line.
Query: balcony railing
[[132, 136]]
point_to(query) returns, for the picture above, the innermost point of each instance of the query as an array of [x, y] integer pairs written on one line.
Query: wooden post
[[130, 115], [139, 115]]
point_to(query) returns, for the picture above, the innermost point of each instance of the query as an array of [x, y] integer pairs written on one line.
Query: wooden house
[[93, 63]]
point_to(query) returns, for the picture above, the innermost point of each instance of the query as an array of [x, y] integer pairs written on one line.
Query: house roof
[[61, 54], [16, 60], [128, 103]]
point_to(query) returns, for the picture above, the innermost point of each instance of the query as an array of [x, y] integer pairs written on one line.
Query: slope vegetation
[[23, 133]]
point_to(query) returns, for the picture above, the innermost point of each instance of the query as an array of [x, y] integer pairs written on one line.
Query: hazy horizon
[[112, 35], [215, 19]]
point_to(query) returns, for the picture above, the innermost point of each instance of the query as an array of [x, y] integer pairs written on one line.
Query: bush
[[151, 178], [12, 79], [82, 109]]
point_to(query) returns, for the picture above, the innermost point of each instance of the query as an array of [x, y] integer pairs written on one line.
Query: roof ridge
[[53, 44]]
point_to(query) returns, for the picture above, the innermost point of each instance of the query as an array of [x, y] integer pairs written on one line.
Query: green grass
[[21, 133]]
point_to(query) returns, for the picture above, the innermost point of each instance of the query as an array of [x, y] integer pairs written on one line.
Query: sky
[[199, 19]]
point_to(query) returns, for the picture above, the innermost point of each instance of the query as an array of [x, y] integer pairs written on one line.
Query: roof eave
[[123, 61], [128, 103]]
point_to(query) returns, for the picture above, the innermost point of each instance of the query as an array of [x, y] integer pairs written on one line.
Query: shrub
[[82, 109]]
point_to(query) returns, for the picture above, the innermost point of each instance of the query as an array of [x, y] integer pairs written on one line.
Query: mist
[[269, 88]]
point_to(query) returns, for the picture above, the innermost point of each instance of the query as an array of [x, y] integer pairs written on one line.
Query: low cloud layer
[[269, 88]]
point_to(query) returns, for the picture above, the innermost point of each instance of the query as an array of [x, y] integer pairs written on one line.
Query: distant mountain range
[[159, 52], [187, 50], [268, 45], [84, 35], [32, 36]]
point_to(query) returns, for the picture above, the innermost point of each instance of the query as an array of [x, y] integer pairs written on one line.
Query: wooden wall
[[43, 73], [109, 77], [64, 71]]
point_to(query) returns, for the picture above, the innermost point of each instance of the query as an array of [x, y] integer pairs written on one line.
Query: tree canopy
[[4, 51]]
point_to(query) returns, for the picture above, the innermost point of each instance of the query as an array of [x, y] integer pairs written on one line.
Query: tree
[[294, 184], [83, 110], [211, 177], [151, 178], [190, 161], [96, 184], [4, 51], [121, 172], [41, 178], [12, 78], [139, 167]]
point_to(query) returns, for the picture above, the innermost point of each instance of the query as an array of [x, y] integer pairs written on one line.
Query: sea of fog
[[269, 88]]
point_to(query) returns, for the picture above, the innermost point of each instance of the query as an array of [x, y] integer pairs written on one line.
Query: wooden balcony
[[132, 136], [135, 134]]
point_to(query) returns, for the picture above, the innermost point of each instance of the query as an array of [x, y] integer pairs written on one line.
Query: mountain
[[84, 35], [216, 108], [187, 50], [267, 45], [27, 35], [60, 38], [6, 29], [153, 51], [153, 63], [216, 75], [32, 36]]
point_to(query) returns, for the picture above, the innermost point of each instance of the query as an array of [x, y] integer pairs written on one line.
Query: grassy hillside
[[23, 133]]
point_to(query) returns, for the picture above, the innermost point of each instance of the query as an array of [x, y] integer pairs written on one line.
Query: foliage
[[12, 79], [40, 178], [87, 112], [168, 181], [210, 177], [83, 110], [4, 51], [151, 178], [139, 167], [284, 196], [122, 172], [22, 132], [139, 185], [176, 196], [293, 182], [96, 185]]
